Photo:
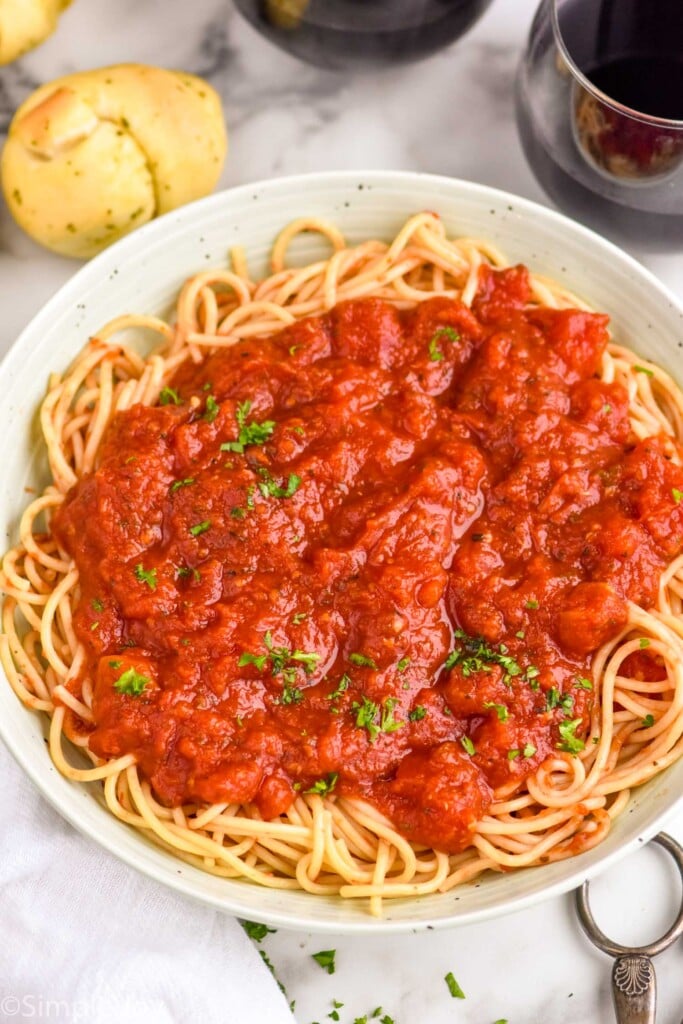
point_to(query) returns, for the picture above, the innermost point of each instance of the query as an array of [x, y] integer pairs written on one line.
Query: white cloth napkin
[[84, 938]]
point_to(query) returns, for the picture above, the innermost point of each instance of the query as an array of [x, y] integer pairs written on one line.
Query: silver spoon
[[634, 985]]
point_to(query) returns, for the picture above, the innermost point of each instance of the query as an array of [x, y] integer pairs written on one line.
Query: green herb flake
[[443, 333], [417, 714], [258, 660], [571, 743], [388, 723], [131, 683], [676, 495], [648, 721], [200, 528], [169, 396], [513, 754], [528, 750], [644, 642], [644, 369], [270, 488], [403, 664], [212, 408], [248, 433], [500, 709], [237, 513], [362, 660], [453, 986], [257, 931], [299, 617], [291, 695], [97, 605], [324, 786], [366, 714], [115, 663], [325, 959], [468, 745], [342, 686], [584, 683], [473, 654], [177, 484], [148, 576], [531, 603]]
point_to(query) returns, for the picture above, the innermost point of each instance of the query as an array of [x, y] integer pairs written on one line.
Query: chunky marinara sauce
[[370, 555]]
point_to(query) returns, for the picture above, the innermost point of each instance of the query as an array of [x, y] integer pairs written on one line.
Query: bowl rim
[[98, 270]]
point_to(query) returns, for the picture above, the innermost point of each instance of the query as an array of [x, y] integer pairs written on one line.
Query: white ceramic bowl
[[143, 273]]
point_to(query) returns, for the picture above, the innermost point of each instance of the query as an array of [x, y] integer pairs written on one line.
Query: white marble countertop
[[452, 114]]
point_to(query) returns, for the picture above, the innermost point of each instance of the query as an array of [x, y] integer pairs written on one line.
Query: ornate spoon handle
[[634, 989]]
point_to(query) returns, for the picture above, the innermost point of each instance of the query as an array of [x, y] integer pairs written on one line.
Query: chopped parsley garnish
[[529, 750], [270, 488], [148, 576], [96, 605], [388, 723], [249, 433], [468, 745], [570, 741], [342, 685], [417, 714], [644, 369], [453, 986], [200, 528], [177, 484], [131, 683], [182, 571], [237, 513], [282, 662], [475, 655], [500, 710], [258, 660], [513, 754], [555, 699], [299, 617], [325, 958], [367, 714], [435, 353], [531, 603], [403, 664], [115, 664], [256, 931], [648, 721], [644, 642], [212, 408], [169, 395], [324, 786], [362, 660], [676, 495], [291, 695], [585, 684], [281, 657]]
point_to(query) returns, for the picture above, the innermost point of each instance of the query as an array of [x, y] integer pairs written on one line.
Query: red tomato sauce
[[372, 554]]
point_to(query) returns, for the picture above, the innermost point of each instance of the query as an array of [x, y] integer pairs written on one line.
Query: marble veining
[[452, 114]]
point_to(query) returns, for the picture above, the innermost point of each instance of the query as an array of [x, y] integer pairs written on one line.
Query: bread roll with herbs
[[25, 24], [91, 156]]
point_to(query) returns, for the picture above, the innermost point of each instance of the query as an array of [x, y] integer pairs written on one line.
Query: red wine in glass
[[600, 115], [343, 34]]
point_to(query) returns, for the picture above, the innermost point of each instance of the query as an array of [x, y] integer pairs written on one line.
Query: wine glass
[[600, 115], [344, 34]]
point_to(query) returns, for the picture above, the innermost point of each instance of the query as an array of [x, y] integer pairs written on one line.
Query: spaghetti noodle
[[327, 841]]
